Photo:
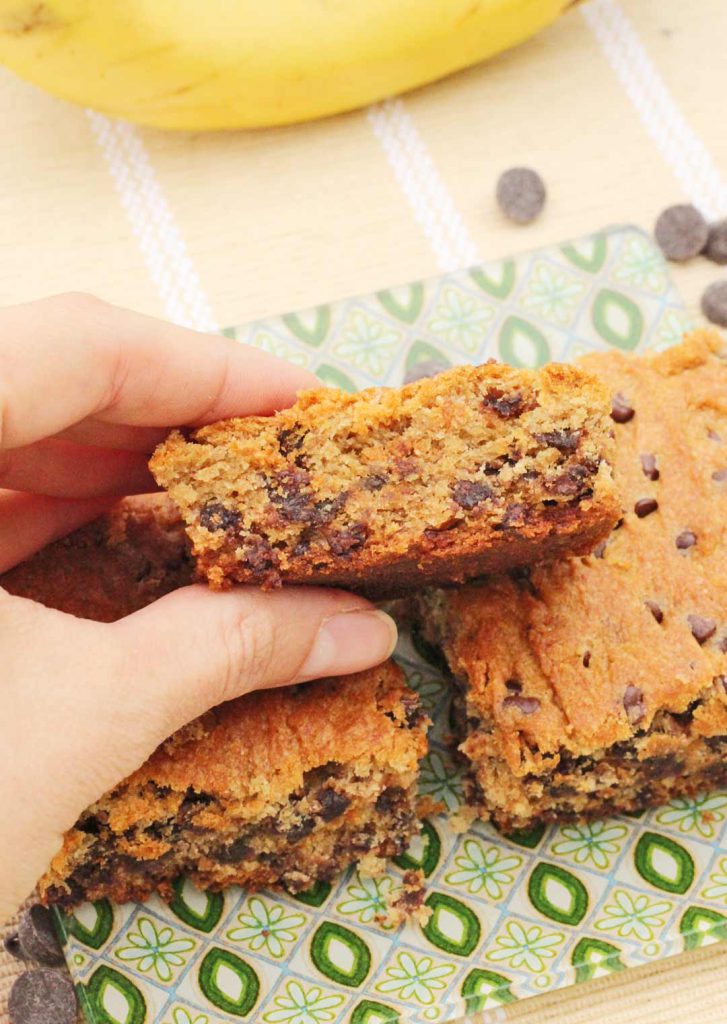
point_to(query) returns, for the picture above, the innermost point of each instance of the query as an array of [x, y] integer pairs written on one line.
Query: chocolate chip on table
[[633, 702], [681, 232], [526, 705], [720, 475], [714, 303], [426, 368], [42, 997], [716, 247], [702, 629], [37, 936], [520, 194], [685, 540], [655, 611], [621, 409], [645, 506], [11, 945], [648, 465]]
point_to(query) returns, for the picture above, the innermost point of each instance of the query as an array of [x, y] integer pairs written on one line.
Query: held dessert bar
[[600, 684], [475, 470], [286, 786]]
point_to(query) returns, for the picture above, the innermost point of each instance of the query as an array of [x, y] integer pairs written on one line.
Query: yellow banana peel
[[217, 64]]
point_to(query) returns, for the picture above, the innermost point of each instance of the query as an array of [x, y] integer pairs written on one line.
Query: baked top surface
[[579, 644]]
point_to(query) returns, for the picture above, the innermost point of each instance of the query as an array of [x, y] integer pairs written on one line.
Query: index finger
[[70, 357]]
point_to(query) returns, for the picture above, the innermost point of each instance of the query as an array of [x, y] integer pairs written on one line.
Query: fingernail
[[349, 642]]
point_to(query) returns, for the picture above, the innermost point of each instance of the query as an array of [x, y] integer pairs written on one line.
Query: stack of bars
[[589, 667]]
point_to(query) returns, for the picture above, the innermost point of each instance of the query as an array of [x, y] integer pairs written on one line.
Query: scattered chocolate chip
[[42, 997], [11, 945], [716, 247], [713, 435], [720, 475], [426, 368], [37, 936], [686, 539], [648, 465], [513, 685], [469, 493], [702, 629], [714, 303], [332, 803], [681, 232], [520, 194], [655, 611], [345, 542], [525, 705], [645, 506], [215, 517], [564, 440], [374, 482], [507, 406], [586, 659], [621, 410], [633, 702]]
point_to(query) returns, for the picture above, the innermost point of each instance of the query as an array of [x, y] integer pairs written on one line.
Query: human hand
[[86, 392]]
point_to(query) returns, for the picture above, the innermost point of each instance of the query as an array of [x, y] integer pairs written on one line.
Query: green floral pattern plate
[[511, 916]]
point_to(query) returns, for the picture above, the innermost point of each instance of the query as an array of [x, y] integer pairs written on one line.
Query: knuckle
[[246, 650]]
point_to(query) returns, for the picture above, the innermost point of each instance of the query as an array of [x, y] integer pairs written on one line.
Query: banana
[[220, 64]]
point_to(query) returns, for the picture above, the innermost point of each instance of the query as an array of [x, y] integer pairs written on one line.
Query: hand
[[86, 392]]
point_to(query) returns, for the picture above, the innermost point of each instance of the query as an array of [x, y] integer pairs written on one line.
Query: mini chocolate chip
[[507, 406], [633, 702], [720, 475], [349, 540], [648, 465], [520, 194], [716, 247], [562, 440], [586, 659], [469, 493], [713, 435], [11, 945], [686, 539], [42, 997], [215, 516], [621, 410], [425, 368], [37, 936], [332, 803], [655, 610], [645, 506], [681, 232], [374, 482], [525, 705], [513, 685], [702, 629], [714, 303]]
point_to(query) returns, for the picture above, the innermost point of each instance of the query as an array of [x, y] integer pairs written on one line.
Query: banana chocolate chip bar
[[475, 470], [285, 786], [600, 684]]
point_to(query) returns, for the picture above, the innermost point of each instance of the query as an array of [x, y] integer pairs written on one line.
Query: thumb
[[199, 648]]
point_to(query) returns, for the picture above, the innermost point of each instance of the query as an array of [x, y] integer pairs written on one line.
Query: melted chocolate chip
[[374, 482], [685, 540], [215, 516], [621, 409], [655, 610], [702, 629], [633, 701], [507, 406], [388, 800], [645, 506], [301, 830], [525, 705], [522, 578], [259, 556], [332, 803], [469, 493], [345, 542], [290, 440], [572, 481], [515, 515], [648, 465], [564, 440], [720, 475]]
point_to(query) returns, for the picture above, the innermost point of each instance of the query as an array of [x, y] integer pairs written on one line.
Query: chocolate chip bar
[[284, 787], [475, 470], [600, 684]]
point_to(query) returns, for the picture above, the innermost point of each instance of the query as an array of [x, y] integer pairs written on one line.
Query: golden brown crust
[[473, 471], [622, 651]]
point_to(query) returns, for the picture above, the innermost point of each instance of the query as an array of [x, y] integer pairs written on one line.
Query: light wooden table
[[619, 105]]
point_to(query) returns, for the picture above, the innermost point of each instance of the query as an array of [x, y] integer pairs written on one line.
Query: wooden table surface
[[619, 105]]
